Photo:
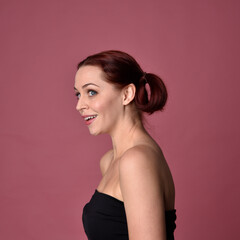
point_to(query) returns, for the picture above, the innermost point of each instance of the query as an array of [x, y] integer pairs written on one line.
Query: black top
[[104, 218]]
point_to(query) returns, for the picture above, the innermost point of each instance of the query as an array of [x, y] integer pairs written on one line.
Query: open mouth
[[90, 117]]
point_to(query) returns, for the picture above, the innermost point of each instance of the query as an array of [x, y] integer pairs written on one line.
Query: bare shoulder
[[139, 157], [105, 161], [144, 163], [140, 178], [143, 170]]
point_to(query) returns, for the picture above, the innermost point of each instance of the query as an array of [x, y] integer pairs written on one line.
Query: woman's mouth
[[89, 119]]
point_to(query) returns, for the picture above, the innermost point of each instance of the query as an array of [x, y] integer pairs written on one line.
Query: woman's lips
[[89, 119]]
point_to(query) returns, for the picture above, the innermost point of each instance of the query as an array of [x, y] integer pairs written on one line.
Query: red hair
[[122, 69]]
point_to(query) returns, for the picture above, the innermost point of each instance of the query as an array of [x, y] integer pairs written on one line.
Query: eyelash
[[93, 92], [78, 94]]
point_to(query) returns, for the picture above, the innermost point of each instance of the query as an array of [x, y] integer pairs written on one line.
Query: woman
[[135, 197]]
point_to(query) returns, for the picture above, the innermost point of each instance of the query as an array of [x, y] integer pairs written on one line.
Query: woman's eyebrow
[[87, 84]]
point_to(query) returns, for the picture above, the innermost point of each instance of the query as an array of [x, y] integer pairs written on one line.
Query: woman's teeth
[[90, 117]]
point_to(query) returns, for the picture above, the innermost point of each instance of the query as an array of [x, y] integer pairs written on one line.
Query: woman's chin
[[94, 133]]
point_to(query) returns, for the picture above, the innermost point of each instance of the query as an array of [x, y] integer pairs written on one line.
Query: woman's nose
[[81, 105]]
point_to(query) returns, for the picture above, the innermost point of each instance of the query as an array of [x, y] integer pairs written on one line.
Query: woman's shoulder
[[140, 175], [142, 153], [141, 157], [144, 167], [105, 161]]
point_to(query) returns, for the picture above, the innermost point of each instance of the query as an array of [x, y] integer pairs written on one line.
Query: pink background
[[49, 164]]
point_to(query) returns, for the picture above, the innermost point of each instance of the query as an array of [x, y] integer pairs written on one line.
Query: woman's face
[[99, 102]]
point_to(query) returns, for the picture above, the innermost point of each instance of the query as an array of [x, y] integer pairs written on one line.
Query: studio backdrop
[[49, 163]]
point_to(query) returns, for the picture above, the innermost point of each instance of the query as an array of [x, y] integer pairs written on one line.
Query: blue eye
[[77, 94], [92, 92]]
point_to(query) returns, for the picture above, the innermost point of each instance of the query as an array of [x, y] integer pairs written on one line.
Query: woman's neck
[[126, 135]]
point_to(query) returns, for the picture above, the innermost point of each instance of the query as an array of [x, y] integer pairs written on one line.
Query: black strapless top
[[104, 218]]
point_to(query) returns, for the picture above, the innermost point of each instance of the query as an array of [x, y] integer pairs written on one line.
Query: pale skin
[[134, 170]]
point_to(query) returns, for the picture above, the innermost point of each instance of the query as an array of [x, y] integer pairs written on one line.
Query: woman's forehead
[[92, 75], [89, 74]]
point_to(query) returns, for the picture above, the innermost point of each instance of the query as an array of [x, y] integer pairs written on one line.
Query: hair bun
[[153, 100]]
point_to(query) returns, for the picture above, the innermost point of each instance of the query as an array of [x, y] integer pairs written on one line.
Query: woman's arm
[[142, 191]]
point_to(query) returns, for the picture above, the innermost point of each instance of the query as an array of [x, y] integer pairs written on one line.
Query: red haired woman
[[135, 197]]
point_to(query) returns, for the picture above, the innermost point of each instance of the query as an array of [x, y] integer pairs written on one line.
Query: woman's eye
[[78, 95], [91, 92]]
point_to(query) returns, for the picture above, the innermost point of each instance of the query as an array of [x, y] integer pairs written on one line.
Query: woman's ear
[[128, 93]]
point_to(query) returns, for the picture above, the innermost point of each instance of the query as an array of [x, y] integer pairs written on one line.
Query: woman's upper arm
[[142, 193]]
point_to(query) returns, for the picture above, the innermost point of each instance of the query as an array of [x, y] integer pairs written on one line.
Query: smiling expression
[[99, 102]]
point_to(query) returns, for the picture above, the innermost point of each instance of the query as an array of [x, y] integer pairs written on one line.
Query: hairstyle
[[122, 69]]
